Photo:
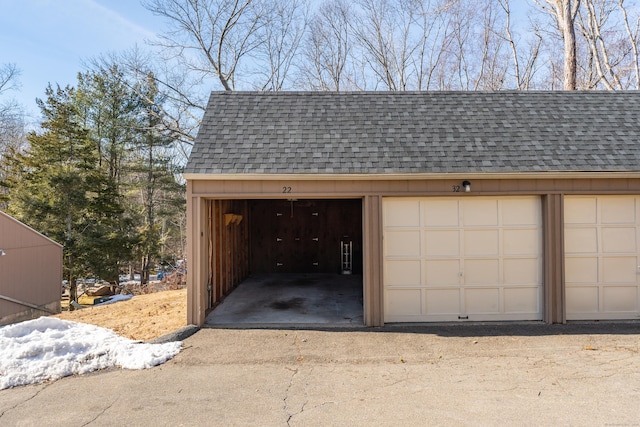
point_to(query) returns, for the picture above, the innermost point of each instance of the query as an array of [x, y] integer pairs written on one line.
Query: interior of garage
[[284, 261]]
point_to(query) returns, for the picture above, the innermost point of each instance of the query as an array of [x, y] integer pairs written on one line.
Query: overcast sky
[[48, 40]]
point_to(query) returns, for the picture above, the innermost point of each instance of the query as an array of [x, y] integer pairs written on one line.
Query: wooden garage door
[[601, 239], [472, 258]]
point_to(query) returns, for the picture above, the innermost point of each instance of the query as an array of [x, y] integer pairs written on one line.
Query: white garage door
[[601, 257], [471, 258]]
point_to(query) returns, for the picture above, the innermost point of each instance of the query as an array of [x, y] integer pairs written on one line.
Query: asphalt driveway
[[534, 374]]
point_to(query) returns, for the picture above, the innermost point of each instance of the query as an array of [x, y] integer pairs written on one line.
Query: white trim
[[407, 176]]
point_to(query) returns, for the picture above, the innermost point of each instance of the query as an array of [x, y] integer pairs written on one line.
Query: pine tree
[[162, 198], [59, 182], [108, 106]]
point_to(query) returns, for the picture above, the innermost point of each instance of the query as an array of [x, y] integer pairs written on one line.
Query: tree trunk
[[569, 36]]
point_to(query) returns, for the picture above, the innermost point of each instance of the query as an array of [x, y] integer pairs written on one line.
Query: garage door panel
[[441, 242], [619, 239], [402, 243], [442, 301], [617, 270], [481, 271], [402, 213], [522, 300], [521, 242], [445, 272], [606, 284], [481, 242], [581, 240], [581, 270], [482, 301], [618, 210], [580, 210], [441, 214], [480, 211], [581, 299], [402, 272], [473, 252], [521, 271], [521, 211], [405, 301], [620, 299]]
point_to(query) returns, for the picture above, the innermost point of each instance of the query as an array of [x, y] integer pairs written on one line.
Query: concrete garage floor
[[290, 299]]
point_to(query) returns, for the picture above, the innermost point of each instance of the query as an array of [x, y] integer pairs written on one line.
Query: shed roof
[[15, 234], [417, 132]]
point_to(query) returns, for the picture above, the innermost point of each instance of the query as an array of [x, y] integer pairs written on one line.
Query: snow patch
[[48, 349]]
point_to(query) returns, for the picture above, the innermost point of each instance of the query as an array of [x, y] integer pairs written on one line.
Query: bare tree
[[604, 55], [282, 37], [632, 35], [523, 70], [327, 47], [433, 28], [12, 123], [211, 37], [9, 74], [384, 29], [564, 13]]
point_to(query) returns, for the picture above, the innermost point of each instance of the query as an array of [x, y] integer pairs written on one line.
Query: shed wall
[[30, 272]]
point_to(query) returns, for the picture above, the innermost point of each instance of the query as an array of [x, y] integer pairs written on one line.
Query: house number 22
[[286, 189]]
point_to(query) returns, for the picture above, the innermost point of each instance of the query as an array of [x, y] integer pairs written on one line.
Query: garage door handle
[[317, 239], [278, 239]]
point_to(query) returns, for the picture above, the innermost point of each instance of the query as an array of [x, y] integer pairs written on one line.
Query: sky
[[49, 40], [47, 349]]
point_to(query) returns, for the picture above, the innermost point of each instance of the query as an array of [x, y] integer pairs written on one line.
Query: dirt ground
[[143, 317]]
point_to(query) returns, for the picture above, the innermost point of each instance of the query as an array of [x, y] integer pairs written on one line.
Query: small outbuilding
[[458, 206], [30, 272]]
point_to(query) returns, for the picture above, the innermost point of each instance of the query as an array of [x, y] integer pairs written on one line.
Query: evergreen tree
[[108, 106], [60, 185], [162, 198]]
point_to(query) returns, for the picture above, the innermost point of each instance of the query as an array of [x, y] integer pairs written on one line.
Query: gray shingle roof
[[417, 132]]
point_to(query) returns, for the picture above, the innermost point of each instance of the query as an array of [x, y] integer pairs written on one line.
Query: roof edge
[[408, 176], [22, 224]]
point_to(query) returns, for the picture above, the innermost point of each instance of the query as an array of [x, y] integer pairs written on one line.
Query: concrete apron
[[274, 300]]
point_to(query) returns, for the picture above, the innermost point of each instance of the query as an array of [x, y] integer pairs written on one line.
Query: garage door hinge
[[279, 264], [316, 264]]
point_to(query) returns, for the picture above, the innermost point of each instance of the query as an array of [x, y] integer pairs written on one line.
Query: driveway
[[533, 374]]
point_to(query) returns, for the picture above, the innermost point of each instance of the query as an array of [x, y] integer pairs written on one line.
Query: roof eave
[[409, 176]]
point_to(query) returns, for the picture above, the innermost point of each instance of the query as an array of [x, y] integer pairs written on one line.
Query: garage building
[[456, 206]]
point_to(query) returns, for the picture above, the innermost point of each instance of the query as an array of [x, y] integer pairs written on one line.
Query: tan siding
[[332, 189], [196, 257], [372, 252], [553, 237], [31, 271]]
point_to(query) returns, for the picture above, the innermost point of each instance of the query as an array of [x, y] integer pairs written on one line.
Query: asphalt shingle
[[417, 132]]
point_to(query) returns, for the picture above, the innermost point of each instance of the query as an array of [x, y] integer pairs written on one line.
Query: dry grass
[[143, 317]]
